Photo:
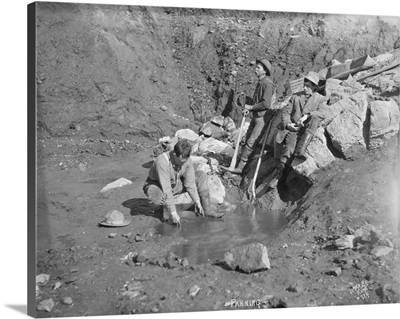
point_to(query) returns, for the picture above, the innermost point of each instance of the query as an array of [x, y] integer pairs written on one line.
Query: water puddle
[[209, 239]]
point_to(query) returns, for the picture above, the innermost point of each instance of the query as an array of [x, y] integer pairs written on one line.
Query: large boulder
[[318, 153], [201, 164], [385, 118], [347, 128], [187, 134], [212, 145], [217, 189], [248, 258], [210, 129]]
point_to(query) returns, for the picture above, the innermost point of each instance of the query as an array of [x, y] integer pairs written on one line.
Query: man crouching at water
[[172, 173]]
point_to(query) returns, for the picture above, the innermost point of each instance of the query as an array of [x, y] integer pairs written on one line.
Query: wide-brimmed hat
[[313, 77], [267, 65], [115, 218]]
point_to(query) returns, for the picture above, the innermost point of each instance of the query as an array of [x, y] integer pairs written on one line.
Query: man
[[299, 118], [263, 98], [172, 173]]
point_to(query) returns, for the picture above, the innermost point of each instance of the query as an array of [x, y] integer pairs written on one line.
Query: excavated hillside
[[122, 71]]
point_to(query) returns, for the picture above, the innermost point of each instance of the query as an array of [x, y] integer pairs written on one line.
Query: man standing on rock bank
[[172, 173], [263, 99]]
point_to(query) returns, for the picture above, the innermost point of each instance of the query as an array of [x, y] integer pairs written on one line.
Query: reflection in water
[[210, 238]]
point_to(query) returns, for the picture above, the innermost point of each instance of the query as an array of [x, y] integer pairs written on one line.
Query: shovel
[[252, 194], [231, 168]]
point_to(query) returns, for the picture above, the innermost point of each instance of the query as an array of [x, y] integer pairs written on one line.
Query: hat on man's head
[[313, 77], [266, 64], [115, 218]]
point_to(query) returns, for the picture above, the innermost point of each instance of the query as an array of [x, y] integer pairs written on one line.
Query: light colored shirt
[[167, 176]]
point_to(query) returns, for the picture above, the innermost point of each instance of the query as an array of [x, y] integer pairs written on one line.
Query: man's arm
[[287, 112], [190, 182], [163, 172]]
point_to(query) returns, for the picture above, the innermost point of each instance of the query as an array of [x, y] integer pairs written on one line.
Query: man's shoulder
[[267, 81], [162, 159]]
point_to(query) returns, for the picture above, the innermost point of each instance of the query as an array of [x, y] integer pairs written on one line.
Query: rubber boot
[[209, 210], [277, 174], [301, 147]]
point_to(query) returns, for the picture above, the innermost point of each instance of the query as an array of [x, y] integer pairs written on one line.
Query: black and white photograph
[[207, 159]]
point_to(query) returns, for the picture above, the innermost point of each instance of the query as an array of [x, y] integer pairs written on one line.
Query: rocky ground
[[308, 265], [115, 83]]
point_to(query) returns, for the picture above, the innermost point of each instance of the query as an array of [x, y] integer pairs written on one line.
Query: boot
[[277, 174], [301, 147], [209, 210]]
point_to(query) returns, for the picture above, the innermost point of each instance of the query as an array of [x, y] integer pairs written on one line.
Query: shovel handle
[[233, 162]]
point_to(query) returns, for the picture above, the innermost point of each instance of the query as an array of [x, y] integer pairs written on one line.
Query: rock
[[140, 258], [335, 271], [229, 124], [193, 291], [367, 234], [112, 235], [210, 129], [385, 119], [187, 134], [200, 163], [387, 294], [172, 261], [307, 254], [67, 301], [139, 238], [116, 184], [361, 264], [296, 287], [184, 262], [42, 279], [347, 128], [135, 285], [248, 258], [217, 120], [131, 294], [155, 309], [82, 167], [380, 251], [46, 305], [217, 189], [345, 242], [71, 279], [57, 285], [212, 145], [318, 153]]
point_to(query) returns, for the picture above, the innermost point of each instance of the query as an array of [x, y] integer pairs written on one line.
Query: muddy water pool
[[208, 239]]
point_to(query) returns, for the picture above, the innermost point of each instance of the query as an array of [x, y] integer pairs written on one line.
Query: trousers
[[287, 148], [156, 196]]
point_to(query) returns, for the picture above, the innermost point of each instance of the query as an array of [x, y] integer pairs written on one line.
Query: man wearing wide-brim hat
[[300, 118], [263, 99]]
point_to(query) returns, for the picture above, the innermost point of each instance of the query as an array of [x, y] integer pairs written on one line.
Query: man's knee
[[154, 194], [313, 124]]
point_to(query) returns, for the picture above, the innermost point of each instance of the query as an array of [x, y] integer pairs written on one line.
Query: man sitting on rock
[[300, 118], [172, 173], [263, 98]]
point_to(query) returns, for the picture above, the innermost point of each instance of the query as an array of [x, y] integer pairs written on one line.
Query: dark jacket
[[296, 108], [264, 97]]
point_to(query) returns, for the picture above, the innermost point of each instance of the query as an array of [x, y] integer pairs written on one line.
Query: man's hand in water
[[199, 208], [176, 220]]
